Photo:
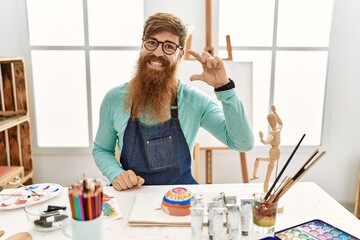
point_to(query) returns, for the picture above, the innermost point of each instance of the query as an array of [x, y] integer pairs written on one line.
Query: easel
[[208, 48], [208, 163], [209, 150]]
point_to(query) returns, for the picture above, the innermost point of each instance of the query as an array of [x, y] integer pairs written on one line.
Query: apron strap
[[174, 108]]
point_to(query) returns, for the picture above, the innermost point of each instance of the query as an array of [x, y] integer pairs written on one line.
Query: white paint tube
[[245, 213], [233, 221], [218, 223], [197, 216]]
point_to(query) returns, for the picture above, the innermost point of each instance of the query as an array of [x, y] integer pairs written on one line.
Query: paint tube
[[197, 201], [210, 209], [245, 213], [218, 223], [233, 221], [197, 218], [231, 199]]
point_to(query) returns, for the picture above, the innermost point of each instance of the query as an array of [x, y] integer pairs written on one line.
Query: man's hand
[[127, 180], [214, 72]]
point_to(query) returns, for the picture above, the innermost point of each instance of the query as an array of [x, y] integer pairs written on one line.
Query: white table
[[303, 202]]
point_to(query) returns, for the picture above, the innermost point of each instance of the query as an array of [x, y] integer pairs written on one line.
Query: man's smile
[[155, 65]]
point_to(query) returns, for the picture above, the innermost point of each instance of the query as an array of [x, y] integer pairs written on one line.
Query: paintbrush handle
[[310, 166], [19, 195], [283, 183], [283, 189], [306, 163], [283, 169], [28, 189], [300, 175]]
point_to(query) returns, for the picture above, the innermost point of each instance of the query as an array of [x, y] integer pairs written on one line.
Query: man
[[155, 117]]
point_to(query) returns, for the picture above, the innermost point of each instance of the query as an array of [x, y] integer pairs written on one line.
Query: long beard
[[151, 92]]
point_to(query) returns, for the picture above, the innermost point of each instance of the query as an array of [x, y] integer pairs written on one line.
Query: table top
[[305, 201]]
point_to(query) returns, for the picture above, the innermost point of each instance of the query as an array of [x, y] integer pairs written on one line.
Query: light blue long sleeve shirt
[[195, 109]]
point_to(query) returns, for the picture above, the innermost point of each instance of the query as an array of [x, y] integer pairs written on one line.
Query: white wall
[[336, 173], [9, 29], [342, 112]]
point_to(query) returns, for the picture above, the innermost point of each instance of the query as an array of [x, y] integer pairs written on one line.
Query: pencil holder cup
[[264, 214], [89, 229]]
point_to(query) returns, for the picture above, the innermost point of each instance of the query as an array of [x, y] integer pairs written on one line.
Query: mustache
[[161, 59], [151, 91]]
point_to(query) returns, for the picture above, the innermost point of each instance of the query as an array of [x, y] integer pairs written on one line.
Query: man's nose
[[158, 51]]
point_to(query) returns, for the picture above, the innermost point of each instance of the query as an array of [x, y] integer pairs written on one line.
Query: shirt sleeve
[[230, 124], [105, 141]]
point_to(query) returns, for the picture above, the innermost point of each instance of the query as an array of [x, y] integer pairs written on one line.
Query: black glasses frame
[[162, 45]]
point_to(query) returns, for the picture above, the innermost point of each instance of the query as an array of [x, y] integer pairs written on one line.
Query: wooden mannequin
[[274, 140]]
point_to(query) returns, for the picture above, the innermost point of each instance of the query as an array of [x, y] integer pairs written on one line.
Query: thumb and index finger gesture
[[214, 72]]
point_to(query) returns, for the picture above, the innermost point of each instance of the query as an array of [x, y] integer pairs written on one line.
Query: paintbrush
[[299, 174], [287, 181], [305, 164], [19, 195], [28, 189], [283, 169], [284, 182]]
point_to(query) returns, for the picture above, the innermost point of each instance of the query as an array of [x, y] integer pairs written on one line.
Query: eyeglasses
[[168, 47]]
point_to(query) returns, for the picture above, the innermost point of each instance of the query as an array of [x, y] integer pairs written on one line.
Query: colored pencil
[[89, 207], [85, 200]]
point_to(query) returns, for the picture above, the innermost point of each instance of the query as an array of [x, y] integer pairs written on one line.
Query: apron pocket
[[160, 153]]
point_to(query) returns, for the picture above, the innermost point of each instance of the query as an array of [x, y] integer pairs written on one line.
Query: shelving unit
[[15, 138]]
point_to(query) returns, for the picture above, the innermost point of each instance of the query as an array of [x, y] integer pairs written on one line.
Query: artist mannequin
[[274, 140]]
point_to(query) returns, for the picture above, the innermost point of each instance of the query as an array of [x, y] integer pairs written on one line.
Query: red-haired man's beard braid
[[152, 91]]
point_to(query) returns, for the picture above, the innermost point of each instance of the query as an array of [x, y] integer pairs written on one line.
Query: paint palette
[[314, 230], [19, 197]]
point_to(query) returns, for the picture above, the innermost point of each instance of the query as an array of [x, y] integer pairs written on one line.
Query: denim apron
[[159, 153]]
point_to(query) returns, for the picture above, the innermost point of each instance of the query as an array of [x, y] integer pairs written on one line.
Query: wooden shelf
[[6, 123], [15, 137]]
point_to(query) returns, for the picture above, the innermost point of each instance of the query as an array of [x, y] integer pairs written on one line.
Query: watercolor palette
[[13, 198], [314, 230]]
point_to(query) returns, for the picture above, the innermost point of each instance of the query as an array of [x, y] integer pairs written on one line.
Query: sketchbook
[[147, 211]]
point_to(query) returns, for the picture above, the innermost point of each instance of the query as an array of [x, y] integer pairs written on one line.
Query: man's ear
[[181, 54]]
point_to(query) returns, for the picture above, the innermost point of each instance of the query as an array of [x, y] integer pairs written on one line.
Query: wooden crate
[[10, 174], [15, 137]]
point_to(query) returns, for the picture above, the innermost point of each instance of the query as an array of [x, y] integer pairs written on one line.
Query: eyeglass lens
[[168, 47]]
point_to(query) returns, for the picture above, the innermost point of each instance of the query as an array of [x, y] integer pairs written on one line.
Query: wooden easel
[[208, 46], [357, 200], [208, 163], [208, 150]]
